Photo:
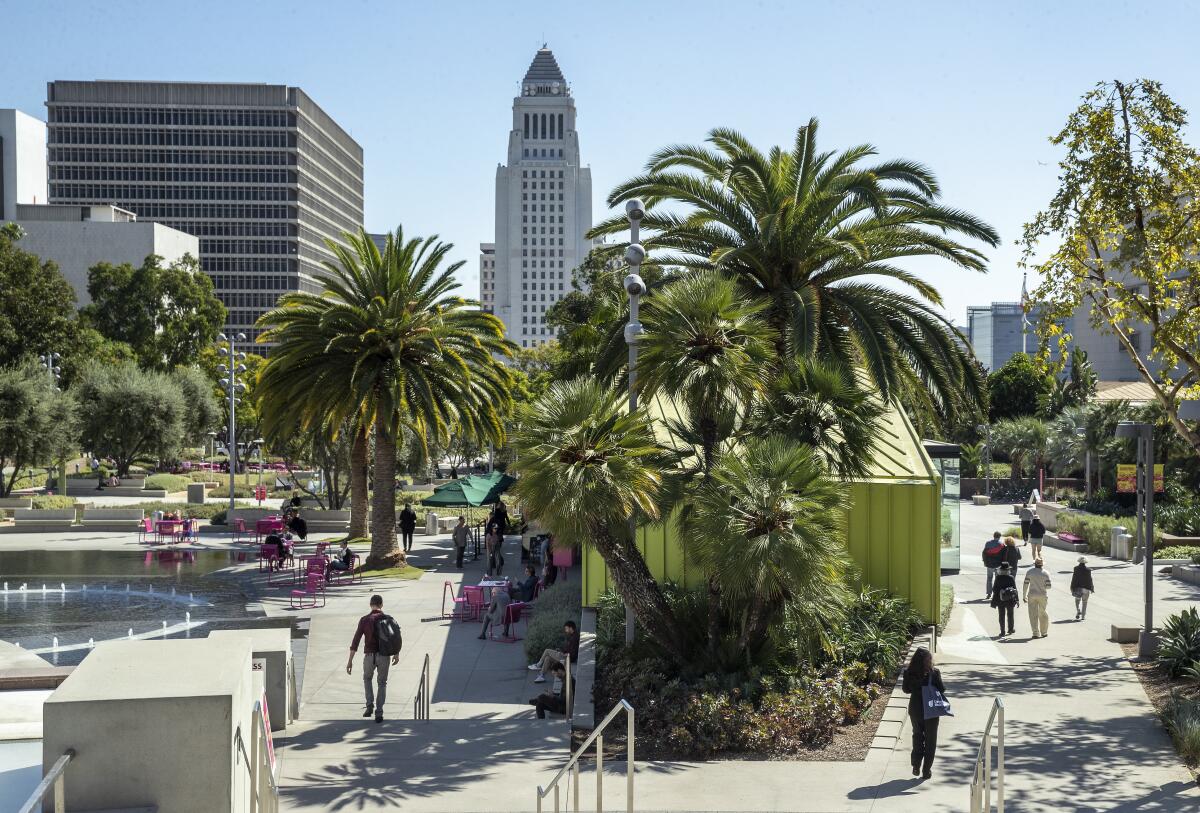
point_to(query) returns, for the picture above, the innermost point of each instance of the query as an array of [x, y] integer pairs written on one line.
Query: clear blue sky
[[971, 89]]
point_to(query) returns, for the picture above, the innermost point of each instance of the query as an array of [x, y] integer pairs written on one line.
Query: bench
[[16, 502], [113, 519], [41, 520], [326, 522], [1066, 541]]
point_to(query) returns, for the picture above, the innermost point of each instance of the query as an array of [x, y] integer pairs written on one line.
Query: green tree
[[249, 421], [387, 345], [37, 422], [1018, 388], [167, 314], [37, 304], [203, 412], [1024, 441], [586, 466], [1074, 388], [1125, 225], [129, 414], [813, 233]]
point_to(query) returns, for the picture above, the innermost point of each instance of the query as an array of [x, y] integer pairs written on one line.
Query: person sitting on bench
[[554, 701]]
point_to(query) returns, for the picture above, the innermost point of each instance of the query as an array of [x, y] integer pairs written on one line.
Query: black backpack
[[388, 640], [1009, 595]]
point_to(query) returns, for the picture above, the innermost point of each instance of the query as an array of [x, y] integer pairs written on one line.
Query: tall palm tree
[[586, 466], [707, 346], [813, 233], [769, 525], [1023, 440], [388, 345]]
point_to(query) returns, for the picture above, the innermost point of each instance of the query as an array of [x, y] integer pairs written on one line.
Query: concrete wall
[[22, 161], [76, 247]]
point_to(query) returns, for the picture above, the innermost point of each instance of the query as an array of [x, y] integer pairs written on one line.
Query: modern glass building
[[260, 173]]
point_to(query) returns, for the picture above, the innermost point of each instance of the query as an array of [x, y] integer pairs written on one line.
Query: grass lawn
[[947, 605], [401, 572]]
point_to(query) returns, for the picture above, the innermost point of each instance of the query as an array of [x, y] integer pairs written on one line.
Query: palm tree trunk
[[358, 484], [641, 592], [384, 551]]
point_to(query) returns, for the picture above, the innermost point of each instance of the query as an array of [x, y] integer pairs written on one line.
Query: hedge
[[554, 606], [168, 482]]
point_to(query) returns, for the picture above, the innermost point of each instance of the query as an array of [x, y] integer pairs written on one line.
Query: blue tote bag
[[933, 701]]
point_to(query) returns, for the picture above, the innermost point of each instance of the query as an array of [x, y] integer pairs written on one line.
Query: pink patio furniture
[[512, 615], [460, 610], [354, 574], [268, 554], [267, 526], [239, 531], [314, 585], [168, 528], [145, 531], [473, 595]]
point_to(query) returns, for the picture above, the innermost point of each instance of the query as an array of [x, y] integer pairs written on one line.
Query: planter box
[[113, 519], [1167, 539], [40, 520], [1186, 573], [16, 502], [981, 499], [1049, 513]]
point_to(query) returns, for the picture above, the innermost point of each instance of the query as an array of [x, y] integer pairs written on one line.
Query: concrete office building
[[543, 207], [78, 237], [487, 276], [22, 161], [259, 173], [997, 332]]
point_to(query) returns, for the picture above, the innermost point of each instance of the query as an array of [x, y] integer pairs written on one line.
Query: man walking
[[1035, 587], [993, 557], [381, 650], [1026, 514], [460, 535], [408, 524]]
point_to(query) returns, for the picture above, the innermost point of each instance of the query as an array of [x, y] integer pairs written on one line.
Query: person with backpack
[[920, 673], [1037, 534], [1005, 597], [993, 557], [1036, 588], [1081, 588], [382, 642]]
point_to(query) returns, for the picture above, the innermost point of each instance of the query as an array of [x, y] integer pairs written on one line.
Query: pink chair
[[473, 595], [459, 609], [314, 585], [240, 534], [354, 574], [512, 615], [146, 530], [268, 554]]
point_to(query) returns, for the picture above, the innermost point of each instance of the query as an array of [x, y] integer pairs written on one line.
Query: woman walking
[[1081, 588], [1037, 533], [919, 674], [495, 550], [1012, 555], [1005, 597]]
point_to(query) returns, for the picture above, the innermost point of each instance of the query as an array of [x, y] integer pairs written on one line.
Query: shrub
[[1181, 716], [1179, 643], [875, 633], [1095, 530], [168, 482], [219, 517], [947, 605], [1099, 505], [1180, 519], [1010, 491], [53, 502], [186, 509], [1177, 552], [555, 605]]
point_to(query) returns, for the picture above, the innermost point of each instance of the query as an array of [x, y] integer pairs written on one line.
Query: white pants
[[1081, 601], [1039, 619]]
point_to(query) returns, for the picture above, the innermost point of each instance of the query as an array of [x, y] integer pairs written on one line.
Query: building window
[[560, 125], [526, 126]]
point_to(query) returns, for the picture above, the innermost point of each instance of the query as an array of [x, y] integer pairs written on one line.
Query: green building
[[893, 527]]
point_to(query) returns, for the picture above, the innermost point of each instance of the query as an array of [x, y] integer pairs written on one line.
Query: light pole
[[50, 362], [1144, 434], [1081, 431], [212, 442], [258, 444], [232, 389], [635, 287], [986, 429]]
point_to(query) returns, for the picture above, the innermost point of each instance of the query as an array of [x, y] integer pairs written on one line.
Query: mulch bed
[[1158, 686]]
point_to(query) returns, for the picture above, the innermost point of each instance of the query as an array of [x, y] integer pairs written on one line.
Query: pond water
[[56, 603]]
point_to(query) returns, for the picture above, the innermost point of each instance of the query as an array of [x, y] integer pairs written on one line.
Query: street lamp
[[232, 389], [212, 442], [986, 429], [635, 210], [1144, 434], [50, 362], [1081, 431], [258, 444]]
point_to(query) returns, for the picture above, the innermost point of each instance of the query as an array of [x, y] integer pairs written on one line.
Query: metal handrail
[[258, 765], [421, 698], [294, 699], [981, 782], [597, 736], [568, 695], [52, 779]]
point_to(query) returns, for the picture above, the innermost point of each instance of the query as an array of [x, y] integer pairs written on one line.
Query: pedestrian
[[1026, 514], [1004, 597], [501, 517], [920, 673], [495, 549], [408, 524], [497, 612], [99, 475], [1012, 554], [1035, 589], [568, 649], [1081, 588], [1037, 532], [380, 635], [554, 701], [460, 534], [993, 557]]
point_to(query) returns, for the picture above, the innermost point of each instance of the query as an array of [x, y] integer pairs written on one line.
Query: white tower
[[543, 206]]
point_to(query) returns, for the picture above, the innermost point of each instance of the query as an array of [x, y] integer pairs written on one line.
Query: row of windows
[[543, 275], [540, 252], [93, 155], [239, 299], [237, 229], [252, 282], [534, 196], [534, 185], [534, 207], [533, 241], [534, 264], [524, 230], [162, 174], [544, 125], [187, 211], [541, 173], [533, 286], [120, 192], [244, 317], [526, 153], [525, 218], [180, 138], [187, 118], [337, 221], [249, 265], [247, 247]]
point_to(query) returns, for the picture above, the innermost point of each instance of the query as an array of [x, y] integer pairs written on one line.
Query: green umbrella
[[494, 484], [457, 493]]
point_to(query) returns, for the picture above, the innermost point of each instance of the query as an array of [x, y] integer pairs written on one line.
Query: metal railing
[[421, 698], [293, 693], [52, 779], [264, 792], [597, 737], [568, 694], [981, 782]]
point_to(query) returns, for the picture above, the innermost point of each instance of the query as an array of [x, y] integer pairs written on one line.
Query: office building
[[487, 276], [259, 173], [543, 207], [78, 237], [998, 331], [22, 161]]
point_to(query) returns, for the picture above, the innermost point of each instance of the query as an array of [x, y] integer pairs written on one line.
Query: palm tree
[[708, 347], [1023, 440], [387, 345], [812, 233], [768, 525], [586, 466]]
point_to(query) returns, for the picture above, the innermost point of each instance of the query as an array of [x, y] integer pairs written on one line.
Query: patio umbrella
[[457, 493], [495, 484]]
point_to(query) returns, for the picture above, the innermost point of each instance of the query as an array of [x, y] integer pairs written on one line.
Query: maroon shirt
[[366, 630]]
